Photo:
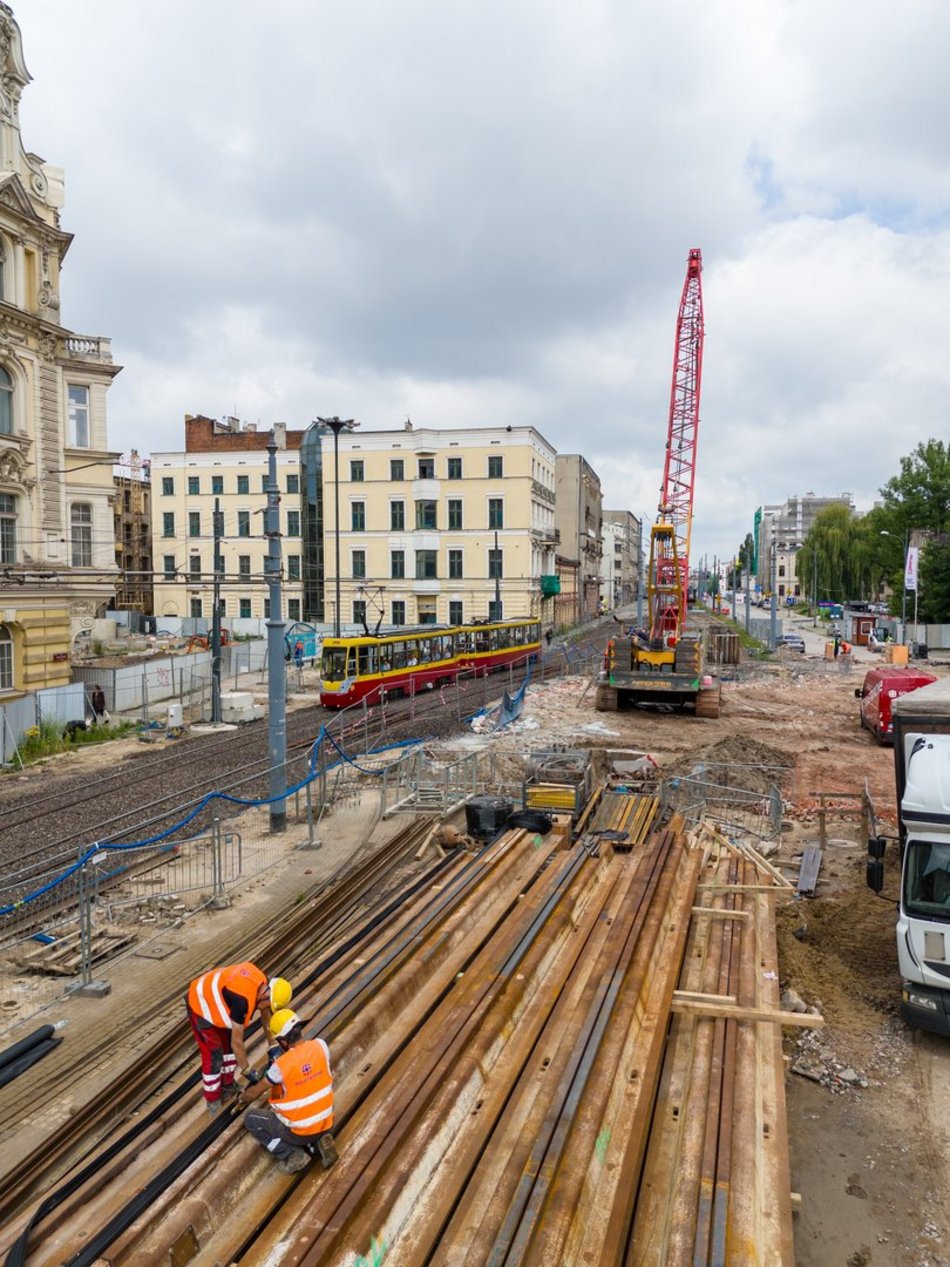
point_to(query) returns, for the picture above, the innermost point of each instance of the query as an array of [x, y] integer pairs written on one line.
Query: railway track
[[30, 853], [504, 1085]]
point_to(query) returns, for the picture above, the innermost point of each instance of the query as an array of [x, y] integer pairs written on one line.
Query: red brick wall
[[201, 437]]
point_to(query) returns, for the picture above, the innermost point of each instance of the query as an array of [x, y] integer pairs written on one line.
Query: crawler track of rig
[[506, 1089]]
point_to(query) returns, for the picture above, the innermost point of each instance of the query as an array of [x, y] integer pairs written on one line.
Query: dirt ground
[[868, 1099]]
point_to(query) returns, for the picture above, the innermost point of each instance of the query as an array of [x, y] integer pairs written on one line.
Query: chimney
[[280, 435]]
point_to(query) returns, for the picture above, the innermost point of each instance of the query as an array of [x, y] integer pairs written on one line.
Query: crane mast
[[670, 535]]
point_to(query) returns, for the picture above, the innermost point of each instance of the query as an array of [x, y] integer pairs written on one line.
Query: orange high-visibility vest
[[304, 1101], [206, 1000]]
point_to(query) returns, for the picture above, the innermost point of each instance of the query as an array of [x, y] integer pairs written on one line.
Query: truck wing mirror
[[876, 846], [875, 874]]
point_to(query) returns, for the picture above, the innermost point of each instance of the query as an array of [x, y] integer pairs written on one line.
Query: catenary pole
[[276, 673]]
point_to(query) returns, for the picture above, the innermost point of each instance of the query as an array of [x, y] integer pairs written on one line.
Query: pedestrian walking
[[220, 1006], [298, 1119], [98, 702], [548, 635], [298, 654]]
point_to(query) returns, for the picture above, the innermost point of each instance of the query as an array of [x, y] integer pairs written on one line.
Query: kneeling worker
[[299, 1117]]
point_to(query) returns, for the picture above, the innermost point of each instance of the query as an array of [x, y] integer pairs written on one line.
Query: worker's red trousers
[[218, 1062]]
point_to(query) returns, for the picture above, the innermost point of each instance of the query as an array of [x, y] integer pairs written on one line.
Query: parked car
[[881, 688], [794, 642]]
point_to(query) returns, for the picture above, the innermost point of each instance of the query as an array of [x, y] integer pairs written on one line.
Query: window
[[399, 612], [397, 469], [293, 608], [495, 611], [244, 608], [8, 511], [455, 512], [293, 483], [265, 482], [359, 565], [168, 562], [194, 523], [359, 611], [496, 512], [397, 516], [293, 523], [455, 565], [168, 486], [427, 468], [79, 416], [358, 516], [222, 606], [455, 468], [495, 567], [194, 485], [168, 523], [243, 484], [455, 612], [356, 470], [244, 523], [194, 567], [425, 515], [196, 607], [267, 609], [6, 404], [217, 485], [397, 564], [427, 568], [244, 567], [80, 530], [6, 659], [495, 467], [293, 567]]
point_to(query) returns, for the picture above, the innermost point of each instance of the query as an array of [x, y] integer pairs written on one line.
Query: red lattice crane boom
[[670, 535]]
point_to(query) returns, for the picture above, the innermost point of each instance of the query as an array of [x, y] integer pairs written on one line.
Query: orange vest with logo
[[206, 1000], [304, 1100]]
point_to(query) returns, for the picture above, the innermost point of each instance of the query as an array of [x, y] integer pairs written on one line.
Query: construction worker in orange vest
[[220, 1006], [297, 1122]]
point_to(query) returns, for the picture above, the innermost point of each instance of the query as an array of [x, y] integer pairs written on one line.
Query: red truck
[[881, 688]]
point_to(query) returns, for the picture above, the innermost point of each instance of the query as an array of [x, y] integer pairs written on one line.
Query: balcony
[[86, 347], [542, 491]]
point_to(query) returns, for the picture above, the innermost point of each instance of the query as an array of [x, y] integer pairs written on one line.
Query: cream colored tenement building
[[434, 524], [57, 553], [439, 526]]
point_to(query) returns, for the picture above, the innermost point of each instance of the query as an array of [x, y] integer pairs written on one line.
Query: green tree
[[842, 557], [934, 580], [919, 498]]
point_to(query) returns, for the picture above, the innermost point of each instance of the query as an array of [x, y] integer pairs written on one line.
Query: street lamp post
[[885, 533], [814, 587], [337, 425]]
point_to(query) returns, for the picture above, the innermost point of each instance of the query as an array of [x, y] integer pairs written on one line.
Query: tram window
[[425, 650], [445, 647], [367, 660], [517, 636], [334, 663], [399, 655], [385, 657], [535, 633], [481, 640]]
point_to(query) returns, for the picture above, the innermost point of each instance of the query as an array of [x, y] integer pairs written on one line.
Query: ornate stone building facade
[[57, 554]]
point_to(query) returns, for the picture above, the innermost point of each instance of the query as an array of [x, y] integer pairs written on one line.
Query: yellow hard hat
[[282, 1022], [280, 992]]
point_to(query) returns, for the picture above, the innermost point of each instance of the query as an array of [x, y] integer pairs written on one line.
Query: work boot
[[326, 1149], [214, 1107], [295, 1160], [228, 1090]]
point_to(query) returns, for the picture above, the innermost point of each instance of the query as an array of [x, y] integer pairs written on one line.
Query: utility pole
[[217, 568], [748, 598], [337, 425], [734, 587], [773, 612], [276, 673]]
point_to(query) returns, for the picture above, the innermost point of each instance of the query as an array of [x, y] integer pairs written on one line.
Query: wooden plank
[[808, 873], [720, 913], [730, 1012]]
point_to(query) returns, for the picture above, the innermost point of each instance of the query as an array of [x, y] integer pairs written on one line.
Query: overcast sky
[[480, 213]]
